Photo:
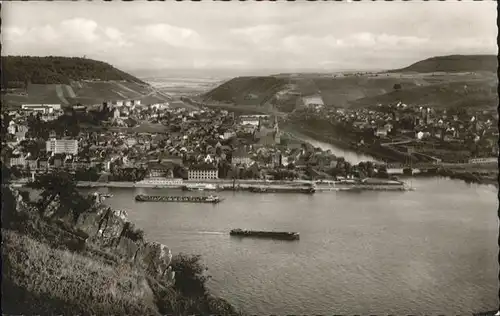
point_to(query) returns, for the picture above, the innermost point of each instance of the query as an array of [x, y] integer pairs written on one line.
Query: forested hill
[[20, 70], [454, 63]]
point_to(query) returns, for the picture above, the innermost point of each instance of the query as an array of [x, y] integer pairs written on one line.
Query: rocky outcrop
[[111, 231]]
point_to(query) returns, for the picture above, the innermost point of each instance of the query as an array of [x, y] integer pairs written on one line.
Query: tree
[[189, 275], [60, 184], [382, 172]]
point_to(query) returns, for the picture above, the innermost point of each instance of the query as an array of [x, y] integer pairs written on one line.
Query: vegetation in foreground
[[52, 267]]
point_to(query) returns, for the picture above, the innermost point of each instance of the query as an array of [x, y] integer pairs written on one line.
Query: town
[[128, 141]]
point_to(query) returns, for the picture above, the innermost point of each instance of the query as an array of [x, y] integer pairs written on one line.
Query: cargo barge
[[265, 234], [186, 199], [309, 190]]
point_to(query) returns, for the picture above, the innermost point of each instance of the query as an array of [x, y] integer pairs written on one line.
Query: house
[[32, 163], [250, 120], [18, 160], [229, 134], [66, 146], [43, 163], [57, 160], [21, 132], [241, 157], [131, 141], [203, 172], [116, 113], [381, 131]]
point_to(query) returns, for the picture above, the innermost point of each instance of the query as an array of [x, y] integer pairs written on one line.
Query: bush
[[189, 275]]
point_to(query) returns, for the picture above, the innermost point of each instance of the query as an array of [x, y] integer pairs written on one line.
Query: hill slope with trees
[[68, 81], [20, 70]]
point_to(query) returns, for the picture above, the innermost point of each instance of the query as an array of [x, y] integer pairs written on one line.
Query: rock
[[112, 225], [104, 226], [89, 222], [127, 249], [154, 258]]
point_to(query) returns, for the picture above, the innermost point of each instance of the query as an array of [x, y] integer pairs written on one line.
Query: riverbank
[[464, 175], [376, 155], [96, 263], [469, 174], [250, 185]]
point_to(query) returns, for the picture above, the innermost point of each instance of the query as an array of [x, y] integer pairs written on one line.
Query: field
[[84, 92]]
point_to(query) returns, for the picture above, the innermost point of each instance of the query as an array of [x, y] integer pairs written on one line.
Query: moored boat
[[269, 189], [186, 199], [265, 234], [200, 187]]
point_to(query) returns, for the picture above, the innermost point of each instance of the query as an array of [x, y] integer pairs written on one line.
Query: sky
[[243, 36]]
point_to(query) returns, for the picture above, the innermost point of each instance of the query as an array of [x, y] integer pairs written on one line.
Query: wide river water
[[429, 251]]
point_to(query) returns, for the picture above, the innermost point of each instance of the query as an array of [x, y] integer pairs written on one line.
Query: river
[[429, 251], [349, 155]]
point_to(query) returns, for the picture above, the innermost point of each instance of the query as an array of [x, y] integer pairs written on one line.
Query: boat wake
[[212, 233]]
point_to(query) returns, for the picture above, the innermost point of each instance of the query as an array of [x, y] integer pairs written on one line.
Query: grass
[[73, 283]]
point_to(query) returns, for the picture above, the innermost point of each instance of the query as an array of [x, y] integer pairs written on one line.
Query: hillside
[[480, 94], [68, 81], [58, 70], [440, 81], [454, 63], [245, 90]]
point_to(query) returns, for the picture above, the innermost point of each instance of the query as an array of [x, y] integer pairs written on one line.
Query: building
[[18, 160], [32, 163], [490, 160], [381, 131], [62, 146], [131, 141], [241, 157], [203, 172], [313, 100], [250, 120], [41, 108], [276, 160], [160, 170], [229, 134], [57, 160]]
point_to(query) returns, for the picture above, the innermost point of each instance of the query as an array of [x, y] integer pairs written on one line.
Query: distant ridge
[[20, 70], [453, 63]]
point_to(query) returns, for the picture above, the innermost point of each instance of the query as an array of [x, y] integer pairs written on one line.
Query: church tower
[[277, 138]]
